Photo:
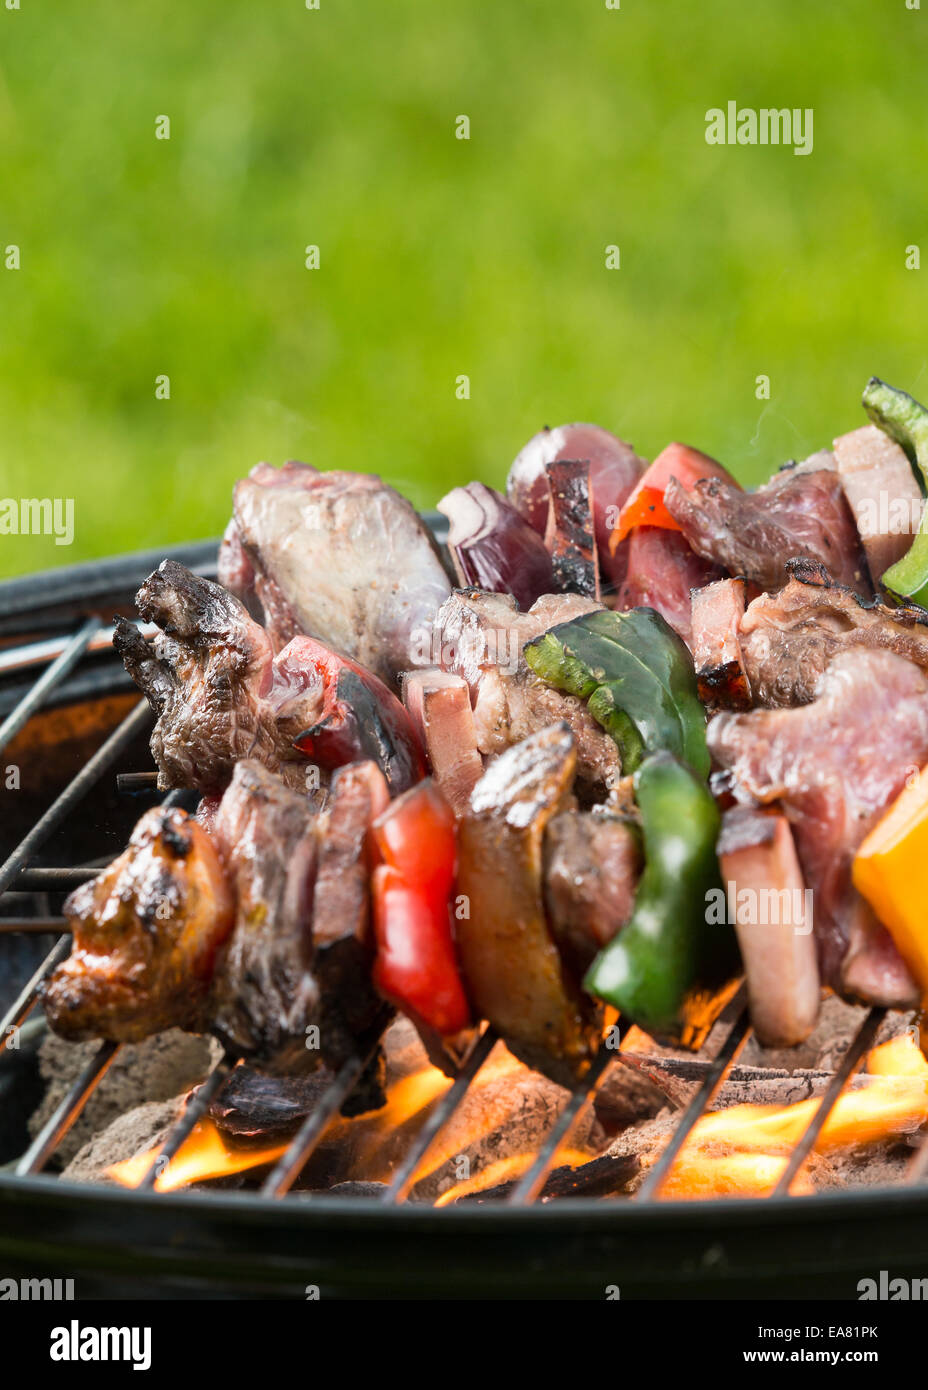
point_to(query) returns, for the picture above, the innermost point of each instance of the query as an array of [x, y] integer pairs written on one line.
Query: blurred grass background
[[439, 257]]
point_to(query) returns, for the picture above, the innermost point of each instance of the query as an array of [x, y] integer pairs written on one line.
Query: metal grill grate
[[17, 873]]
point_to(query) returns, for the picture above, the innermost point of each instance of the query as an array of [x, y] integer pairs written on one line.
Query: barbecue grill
[[64, 695]]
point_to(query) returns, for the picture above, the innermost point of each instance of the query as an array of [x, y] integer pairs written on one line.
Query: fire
[[742, 1151], [202, 1156]]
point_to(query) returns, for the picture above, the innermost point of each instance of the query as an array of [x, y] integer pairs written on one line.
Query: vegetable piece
[[891, 871], [569, 533], [493, 547], [766, 895], [906, 421], [416, 966], [671, 967], [360, 718], [645, 505], [637, 676], [439, 706], [517, 977]]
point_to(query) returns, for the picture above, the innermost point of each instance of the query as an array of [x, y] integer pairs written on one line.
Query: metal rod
[[32, 926], [25, 1003], [29, 654], [194, 1111], [69, 656], [70, 1107], [402, 1179], [712, 1083], [75, 791], [291, 1164], [55, 880], [861, 1042], [533, 1180]]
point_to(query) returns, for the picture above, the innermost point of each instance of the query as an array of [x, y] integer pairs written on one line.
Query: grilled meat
[[592, 862], [480, 638], [350, 1011], [789, 638], [338, 556], [514, 971], [835, 766], [146, 933], [221, 694], [662, 570], [767, 900], [884, 495], [799, 513], [264, 998], [439, 705], [721, 678]]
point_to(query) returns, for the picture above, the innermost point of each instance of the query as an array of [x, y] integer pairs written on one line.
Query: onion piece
[[493, 547]]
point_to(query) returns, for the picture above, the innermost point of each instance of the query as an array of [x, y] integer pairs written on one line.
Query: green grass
[[438, 256]]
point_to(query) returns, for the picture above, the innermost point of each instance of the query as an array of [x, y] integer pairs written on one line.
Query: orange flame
[[203, 1155], [743, 1150]]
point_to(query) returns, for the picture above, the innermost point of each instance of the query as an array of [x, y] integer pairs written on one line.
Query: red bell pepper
[[415, 966], [645, 505]]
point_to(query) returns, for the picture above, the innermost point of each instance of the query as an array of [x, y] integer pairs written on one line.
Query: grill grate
[[17, 873]]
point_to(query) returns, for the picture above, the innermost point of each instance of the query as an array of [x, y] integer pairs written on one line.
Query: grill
[[138, 1242]]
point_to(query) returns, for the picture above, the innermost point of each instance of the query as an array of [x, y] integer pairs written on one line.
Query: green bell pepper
[[668, 968], [637, 676], [905, 421]]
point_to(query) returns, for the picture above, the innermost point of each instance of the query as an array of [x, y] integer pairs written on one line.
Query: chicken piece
[[885, 498], [798, 514], [773, 919], [146, 934], [221, 695], [351, 1013], [721, 677], [592, 864], [835, 766], [337, 556], [439, 705], [480, 638], [515, 974], [788, 639], [264, 998]]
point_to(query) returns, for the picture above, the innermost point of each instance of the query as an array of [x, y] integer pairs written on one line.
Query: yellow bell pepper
[[891, 871]]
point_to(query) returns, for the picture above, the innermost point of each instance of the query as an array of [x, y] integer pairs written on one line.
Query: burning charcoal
[[601, 1177], [252, 1105]]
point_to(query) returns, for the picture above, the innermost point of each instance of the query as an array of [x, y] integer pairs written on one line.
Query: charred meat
[[592, 864], [721, 678], [799, 514], [221, 695], [264, 997], [146, 933]]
